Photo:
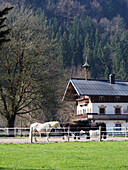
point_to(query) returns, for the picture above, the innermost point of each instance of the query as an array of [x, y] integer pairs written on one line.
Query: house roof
[[82, 87]]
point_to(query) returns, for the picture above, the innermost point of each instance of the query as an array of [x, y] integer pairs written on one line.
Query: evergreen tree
[[106, 73], [119, 53], [3, 27], [123, 72]]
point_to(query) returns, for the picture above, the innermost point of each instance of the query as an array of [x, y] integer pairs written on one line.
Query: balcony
[[96, 116], [79, 117], [107, 116]]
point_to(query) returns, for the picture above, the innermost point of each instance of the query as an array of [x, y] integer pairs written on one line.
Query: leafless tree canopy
[[29, 68]]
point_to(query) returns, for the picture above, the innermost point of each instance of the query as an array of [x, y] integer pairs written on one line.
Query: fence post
[[31, 134], [68, 132], [15, 132], [113, 132], [7, 132], [125, 131], [99, 133], [21, 132], [48, 136]]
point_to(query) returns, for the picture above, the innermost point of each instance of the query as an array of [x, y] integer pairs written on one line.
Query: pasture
[[89, 155]]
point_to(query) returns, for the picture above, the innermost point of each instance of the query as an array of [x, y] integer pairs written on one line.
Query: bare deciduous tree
[[27, 65]]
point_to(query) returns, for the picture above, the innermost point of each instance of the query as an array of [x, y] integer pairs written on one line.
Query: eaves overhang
[[71, 92]]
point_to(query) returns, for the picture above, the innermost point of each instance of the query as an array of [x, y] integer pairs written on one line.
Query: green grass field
[[68, 155]]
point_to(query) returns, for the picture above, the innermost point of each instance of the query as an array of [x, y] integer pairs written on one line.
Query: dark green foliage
[[3, 28], [120, 59], [112, 8], [97, 28]]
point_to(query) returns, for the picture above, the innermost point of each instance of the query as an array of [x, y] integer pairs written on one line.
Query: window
[[118, 126], [117, 98], [117, 111], [101, 110], [101, 98]]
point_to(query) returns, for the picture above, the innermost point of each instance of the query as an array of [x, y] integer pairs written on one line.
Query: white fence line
[[17, 131], [23, 132]]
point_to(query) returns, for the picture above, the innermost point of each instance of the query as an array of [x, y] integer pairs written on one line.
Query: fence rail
[[112, 132], [17, 131]]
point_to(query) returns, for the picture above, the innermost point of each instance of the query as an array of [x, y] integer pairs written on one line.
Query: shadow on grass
[[1, 168], [4, 168]]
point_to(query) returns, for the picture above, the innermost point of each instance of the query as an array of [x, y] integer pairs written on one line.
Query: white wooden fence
[[18, 132], [112, 132]]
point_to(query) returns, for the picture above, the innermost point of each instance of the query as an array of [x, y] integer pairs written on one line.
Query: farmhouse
[[99, 100]]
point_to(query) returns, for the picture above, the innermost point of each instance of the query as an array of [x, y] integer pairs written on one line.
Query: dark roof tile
[[103, 88]]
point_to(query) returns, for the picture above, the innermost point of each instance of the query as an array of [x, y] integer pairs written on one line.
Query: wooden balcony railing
[[108, 117], [96, 116]]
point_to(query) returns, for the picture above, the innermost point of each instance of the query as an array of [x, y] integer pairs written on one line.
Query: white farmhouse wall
[[111, 123], [109, 107], [109, 126]]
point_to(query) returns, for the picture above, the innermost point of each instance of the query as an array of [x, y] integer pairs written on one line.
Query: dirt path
[[13, 140], [43, 140]]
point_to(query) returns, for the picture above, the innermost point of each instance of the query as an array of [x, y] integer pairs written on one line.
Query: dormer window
[[117, 98], [101, 98]]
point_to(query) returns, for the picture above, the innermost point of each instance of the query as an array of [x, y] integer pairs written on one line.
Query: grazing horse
[[44, 128], [84, 126], [93, 126], [72, 129]]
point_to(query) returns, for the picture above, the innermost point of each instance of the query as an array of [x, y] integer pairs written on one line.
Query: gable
[[70, 92]]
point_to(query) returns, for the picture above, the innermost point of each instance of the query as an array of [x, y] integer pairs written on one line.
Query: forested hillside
[[95, 27]]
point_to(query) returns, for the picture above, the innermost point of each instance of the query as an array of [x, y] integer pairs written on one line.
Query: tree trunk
[[10, 125]]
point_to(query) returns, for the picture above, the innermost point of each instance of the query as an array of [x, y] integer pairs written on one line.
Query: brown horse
[[84, 125]]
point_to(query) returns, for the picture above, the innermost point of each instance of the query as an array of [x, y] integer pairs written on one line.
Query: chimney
[[112, 78]]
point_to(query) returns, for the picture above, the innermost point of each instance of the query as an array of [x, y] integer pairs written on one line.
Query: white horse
[[44, 128]]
